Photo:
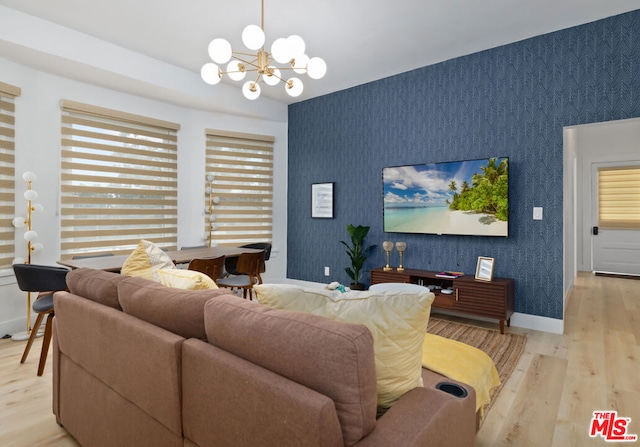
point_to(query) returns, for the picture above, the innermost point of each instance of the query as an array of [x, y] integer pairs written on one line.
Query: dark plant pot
[[356, 286]]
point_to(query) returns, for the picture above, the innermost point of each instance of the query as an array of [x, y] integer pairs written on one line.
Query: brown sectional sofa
[[139, 364]]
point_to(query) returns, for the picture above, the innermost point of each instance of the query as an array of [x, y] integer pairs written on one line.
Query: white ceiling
[[361, 41]]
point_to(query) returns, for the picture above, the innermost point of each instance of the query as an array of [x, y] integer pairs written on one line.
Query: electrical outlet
[[327, 271]]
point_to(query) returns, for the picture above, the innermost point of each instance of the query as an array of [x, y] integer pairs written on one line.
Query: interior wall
[[510, 101], [38, 118]]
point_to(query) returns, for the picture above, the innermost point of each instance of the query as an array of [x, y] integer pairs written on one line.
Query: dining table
[[114, 263]]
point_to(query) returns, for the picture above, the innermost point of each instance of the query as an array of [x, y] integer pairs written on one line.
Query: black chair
[[45, 280], [231, 261]]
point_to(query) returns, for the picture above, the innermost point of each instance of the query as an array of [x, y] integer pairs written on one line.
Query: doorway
[[592, 145], [615, 235]]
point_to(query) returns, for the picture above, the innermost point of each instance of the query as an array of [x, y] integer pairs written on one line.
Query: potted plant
[[358, 253]]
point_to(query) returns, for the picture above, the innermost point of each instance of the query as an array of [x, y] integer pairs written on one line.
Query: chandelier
[[262, 65]]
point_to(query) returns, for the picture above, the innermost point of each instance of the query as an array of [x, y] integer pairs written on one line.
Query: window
[[7, 173], [619, 197], [118, 181], [242, 165]]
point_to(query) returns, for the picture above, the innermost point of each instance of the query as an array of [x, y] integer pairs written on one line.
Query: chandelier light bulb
[[206, 210], [220, 51], [37, 247], [19, 222], [207, 190], [18, 261], [30, 194], [205, 236], [29, 176], [294, 87], [236, 70], [296, 45], [212, 218], [281, 51], [37, 208], [253, 37], [210, 73], [251, 90], [300, 63], [316, 68], [210, 177], [216, 199], [30, 236], [273, 78], [214, 227]]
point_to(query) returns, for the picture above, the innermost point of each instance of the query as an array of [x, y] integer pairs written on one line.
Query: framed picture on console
[[484, 269], [322, 200]]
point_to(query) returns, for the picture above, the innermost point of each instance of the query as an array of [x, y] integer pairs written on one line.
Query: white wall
[[38, 150]]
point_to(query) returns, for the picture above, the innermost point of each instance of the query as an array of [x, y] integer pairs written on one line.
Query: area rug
[[504, 349]]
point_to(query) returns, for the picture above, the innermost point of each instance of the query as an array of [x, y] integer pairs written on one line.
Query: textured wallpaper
[[512, 101]]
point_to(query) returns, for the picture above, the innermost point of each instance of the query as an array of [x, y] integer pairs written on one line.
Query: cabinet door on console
[[484, 299]]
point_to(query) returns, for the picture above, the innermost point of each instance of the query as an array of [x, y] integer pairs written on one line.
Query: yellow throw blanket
[[461, 362]]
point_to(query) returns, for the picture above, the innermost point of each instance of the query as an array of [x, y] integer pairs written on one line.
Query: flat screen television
[[468, 197]]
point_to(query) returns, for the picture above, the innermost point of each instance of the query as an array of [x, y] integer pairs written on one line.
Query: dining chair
[[212, 267], [45, 280], [231, 261], [248, 269]]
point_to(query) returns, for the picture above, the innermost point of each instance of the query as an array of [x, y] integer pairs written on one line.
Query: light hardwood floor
[[549, 399]]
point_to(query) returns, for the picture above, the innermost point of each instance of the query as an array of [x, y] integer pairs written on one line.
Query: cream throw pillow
[[397, 320], [145, 260], [185, 279]]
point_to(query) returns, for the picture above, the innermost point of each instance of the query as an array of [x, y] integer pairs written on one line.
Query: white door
[[614, 250]]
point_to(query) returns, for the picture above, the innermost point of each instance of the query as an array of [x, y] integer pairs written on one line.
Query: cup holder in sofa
[[452, 388]]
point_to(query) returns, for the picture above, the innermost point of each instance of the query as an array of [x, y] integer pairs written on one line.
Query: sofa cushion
[[145, 260], [330, 357], [185, 279], [397, 320], [95, 285], [176, 310]]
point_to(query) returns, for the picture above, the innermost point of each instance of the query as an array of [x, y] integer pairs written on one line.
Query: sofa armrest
[[426, 417]]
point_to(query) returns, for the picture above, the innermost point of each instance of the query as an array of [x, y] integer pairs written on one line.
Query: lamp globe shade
[[37, 208], [316, 68], [235, 71], [294, 87], [281, 51], [300, 63], [296, 45], [250, 90], [37, 247], [273, 78], [29, 176], [210, 73], [253, 37], [30, 236], [19, 222], [30, 194], [220, 51]]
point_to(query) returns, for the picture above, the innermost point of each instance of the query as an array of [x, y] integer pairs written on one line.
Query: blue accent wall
[[512, 101]]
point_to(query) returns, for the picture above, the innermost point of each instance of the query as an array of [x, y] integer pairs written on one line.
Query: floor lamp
[[32, 245]]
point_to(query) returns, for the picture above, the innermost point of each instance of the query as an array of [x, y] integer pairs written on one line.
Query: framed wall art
[[322, 200]]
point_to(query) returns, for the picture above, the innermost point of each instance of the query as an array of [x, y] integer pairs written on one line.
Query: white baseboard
[[538, 323]]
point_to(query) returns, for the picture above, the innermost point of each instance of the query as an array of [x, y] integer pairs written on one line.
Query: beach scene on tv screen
[[463, 197]]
